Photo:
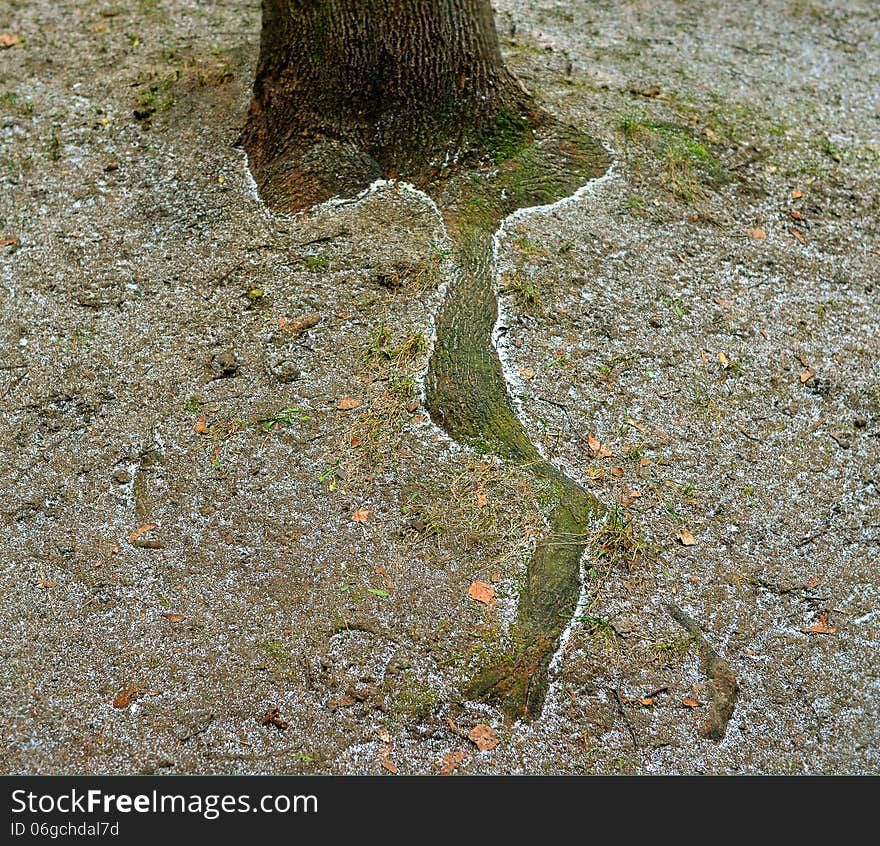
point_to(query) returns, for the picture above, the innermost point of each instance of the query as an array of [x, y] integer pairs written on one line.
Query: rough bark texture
[[347, 91]]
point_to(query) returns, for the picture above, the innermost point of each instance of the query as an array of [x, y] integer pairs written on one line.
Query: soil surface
[[232, 540]]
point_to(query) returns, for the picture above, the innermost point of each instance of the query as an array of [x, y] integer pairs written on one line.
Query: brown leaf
[[633, 493], [201, 425], [725, 361], [482, 592], [808, 374], [384, 573], [124, 697], [526, 372], [274, 718], [685, 536], [797, 235], [450, 761], [361, 515], [174, 618], [147, 527], [482, 500], [387, 762], [647, 701], [796, 195], [690, 703], [756, 234], [617, 471], [298, 326], [822, 627], [7, 40], [484, 737], [598, 448], [814, 581], [9, 242], [347, 403]]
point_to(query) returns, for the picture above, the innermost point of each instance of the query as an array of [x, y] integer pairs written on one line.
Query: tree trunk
[[348, 91]]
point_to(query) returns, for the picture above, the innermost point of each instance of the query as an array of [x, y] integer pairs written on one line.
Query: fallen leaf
[[298, 326], [147, 527], [647, 701], [617, 471], [361, 515], [482, 592], [756, 234], [814, 581], [174, 618], [482, 500], [794, 215], [526, 372], [9, 242], [418, 418], [387, 762], [7, 40], [124, 697], [630, 495], [690, 703], [636, 425], [821, 627], [347, 403], [484, 737], [796, 195], [808, 374], [495, 576], [725, 361], [201, 425], [450, 761], [274, 718], [46, 583], [599, 448], [384, 573], [685, 536]]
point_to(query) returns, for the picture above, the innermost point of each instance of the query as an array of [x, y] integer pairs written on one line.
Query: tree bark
[[348, 91]]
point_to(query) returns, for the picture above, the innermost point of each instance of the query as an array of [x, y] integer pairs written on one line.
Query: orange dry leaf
[[630, 495], [814, 581], [685, 536], [8, 40], [797, 235], [617, 471], [9, 242], [201, 425], [482, 500], [821, 627], [347, 403], [796, 195], [386, 760], [690, 703], [361, 515], [450, 761], [484, 737], [384, 574], [598, 448], [808, 374], [756, 234], [482, 592], [647, 701], [147, 527], [526, 372], [124, 697], [725, 361], [174, 618]]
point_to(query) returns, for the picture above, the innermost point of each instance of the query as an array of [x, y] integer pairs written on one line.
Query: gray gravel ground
[[707, 313]]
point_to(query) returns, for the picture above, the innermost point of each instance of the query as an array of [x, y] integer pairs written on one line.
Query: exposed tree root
[[722, 683]]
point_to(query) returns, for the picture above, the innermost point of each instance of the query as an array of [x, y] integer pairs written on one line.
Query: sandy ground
[[221, 496]]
